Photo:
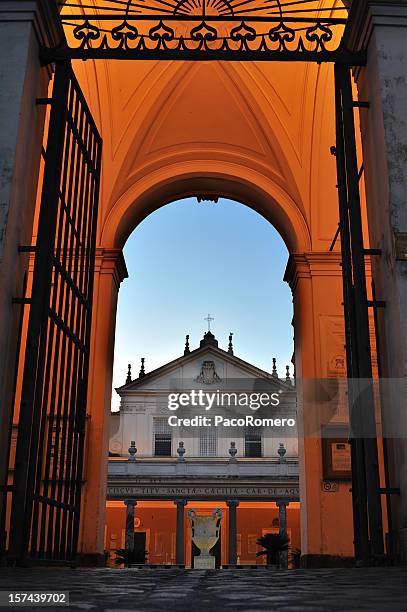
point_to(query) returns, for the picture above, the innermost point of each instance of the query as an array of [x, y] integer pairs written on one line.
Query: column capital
[[282, 503], [232, 502], [311, 264], [130, 502], [181, 502], [43, 14], [111, 261]]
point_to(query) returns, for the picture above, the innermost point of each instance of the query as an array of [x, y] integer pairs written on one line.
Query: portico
[[157, 504]]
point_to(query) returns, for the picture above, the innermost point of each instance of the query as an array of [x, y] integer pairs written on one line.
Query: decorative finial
[[128, 379], [142, 370], [274, 371], [282, 451], [209, 319], [287, 374], [230, 347], [232, 452], [186, 349], [181, 451], [132, 451]]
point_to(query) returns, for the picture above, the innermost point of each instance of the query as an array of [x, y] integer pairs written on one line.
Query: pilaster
[[110, 270], [315, 279]]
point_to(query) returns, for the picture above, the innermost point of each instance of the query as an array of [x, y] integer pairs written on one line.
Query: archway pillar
[[326, 511], [380, 27], [110, 270]]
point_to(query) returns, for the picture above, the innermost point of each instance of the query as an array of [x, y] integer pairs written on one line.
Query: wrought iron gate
[[46, 489], [366, 491]]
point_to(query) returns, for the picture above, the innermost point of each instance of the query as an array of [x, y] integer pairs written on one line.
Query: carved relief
[[333, 347], [208, 375]]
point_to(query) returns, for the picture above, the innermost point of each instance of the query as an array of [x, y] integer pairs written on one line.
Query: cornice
[[365, 15], [308, 265], [111, 261], [43, 14]]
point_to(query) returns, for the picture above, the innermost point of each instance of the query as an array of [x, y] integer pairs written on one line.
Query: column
[[282, 516], [24, 26], [129, 539], [232, 504], [180, 533], [381, 29]]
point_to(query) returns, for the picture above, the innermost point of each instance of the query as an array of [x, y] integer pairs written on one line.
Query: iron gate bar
[[88, 17], [49, 56], [387, 490]]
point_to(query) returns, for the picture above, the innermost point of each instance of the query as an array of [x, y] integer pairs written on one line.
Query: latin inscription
[[201, 491]]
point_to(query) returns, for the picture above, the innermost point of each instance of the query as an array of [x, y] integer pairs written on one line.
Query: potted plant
[[295, 558], [273, 544]]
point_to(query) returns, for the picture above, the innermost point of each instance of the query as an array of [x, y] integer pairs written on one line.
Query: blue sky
[[187, 260]]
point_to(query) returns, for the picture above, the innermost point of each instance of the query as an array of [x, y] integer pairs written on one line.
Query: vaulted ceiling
[[273, 119]]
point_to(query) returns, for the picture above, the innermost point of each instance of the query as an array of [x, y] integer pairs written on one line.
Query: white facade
[[144, 412]]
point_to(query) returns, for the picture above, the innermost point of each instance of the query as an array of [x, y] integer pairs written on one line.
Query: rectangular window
[[252, 443], [208, 442], [162, 437]]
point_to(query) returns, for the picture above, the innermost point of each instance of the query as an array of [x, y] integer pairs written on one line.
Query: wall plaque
[[336, 455]]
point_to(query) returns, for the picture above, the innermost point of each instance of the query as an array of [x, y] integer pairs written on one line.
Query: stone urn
[[205, 534]]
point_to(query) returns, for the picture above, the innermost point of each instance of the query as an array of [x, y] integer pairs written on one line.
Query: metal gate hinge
[[21, 300], [26, 249], [376, 303], [360, 104], [390, 491], [43, 101], [372, 251]]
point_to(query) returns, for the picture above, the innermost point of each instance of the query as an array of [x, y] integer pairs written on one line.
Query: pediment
[[206, 368]]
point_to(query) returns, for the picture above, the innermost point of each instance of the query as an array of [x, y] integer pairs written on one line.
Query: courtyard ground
[[150, 590]]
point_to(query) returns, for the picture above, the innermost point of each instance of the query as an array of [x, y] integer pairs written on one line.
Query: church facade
[[166, 458]]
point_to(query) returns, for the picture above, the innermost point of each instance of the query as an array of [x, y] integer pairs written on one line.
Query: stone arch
[[192, 177]]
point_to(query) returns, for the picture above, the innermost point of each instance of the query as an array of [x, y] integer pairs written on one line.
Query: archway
[[184, 258], [315, 279]]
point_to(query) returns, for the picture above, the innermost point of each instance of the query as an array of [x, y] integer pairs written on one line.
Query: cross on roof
[[209, 319]]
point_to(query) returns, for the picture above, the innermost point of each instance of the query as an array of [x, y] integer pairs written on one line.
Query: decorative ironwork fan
[[295, 30]]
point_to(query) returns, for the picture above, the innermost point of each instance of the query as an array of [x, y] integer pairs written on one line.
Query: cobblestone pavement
[[153, 590]]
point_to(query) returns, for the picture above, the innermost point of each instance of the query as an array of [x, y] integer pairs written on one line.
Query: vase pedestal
[[204, 562]]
